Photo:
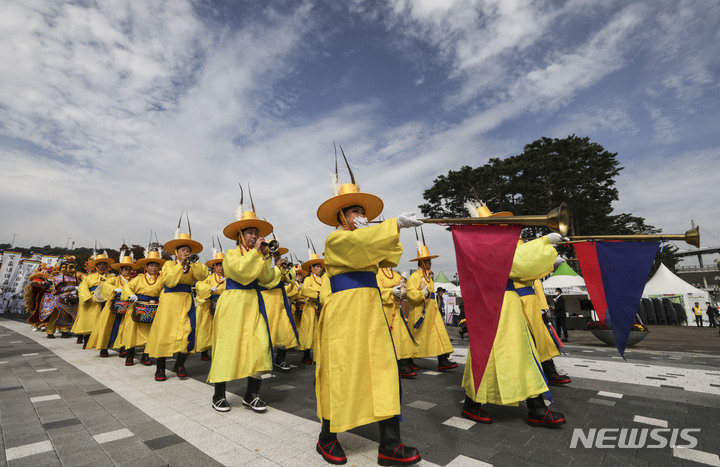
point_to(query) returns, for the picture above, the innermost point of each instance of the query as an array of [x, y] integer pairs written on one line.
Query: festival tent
[[442, 278], [666, 284], [567, 280]]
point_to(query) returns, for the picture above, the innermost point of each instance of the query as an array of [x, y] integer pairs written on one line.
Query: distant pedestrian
[[559, 310], [697, 309], [712, 313]]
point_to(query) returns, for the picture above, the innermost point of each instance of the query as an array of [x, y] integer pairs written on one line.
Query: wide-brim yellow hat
[[152, 257], [183, 239], [248, 219], [315, 259], [219, 257], [126, 262], [484, 211], [100, 259], [350, 195], [282, 251], [424, 253]]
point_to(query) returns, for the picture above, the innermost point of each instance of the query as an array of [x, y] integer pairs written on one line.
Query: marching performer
[[393, 289], [310, 291], [425, 321], [357, 373], [143, 292], [208, 292], [61, 299], [88, 308], [173, 329], [296, 300], [513, 373], [109, 321], [241, 335]]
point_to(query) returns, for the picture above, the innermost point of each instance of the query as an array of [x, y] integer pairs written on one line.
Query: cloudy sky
[[115, 116]]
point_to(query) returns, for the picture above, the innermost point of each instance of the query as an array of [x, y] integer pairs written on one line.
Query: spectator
[[712, 313], [697, 309], [440, 292], [560, 313]]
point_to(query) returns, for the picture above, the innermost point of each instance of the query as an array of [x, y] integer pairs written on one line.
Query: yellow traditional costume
[[88, 308], [283, 331], [310, 291], [146, 289], [207, 303], [388, 279]]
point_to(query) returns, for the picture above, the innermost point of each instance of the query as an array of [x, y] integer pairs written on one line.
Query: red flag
[[587, 257], [484, 255]]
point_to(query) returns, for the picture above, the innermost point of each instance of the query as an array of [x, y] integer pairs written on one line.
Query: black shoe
[[65, 335], [145, 360], [180, 371], [402, 455], [284, 366], [548, 419], [474, 411], [221, 404], [256, 404], [104, 353], [51, 336], [332, 452], [160, 375]]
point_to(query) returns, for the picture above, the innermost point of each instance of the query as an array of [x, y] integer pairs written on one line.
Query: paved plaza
[[61, 405]]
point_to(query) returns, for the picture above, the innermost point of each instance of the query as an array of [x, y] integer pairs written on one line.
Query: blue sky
[[115, 116]]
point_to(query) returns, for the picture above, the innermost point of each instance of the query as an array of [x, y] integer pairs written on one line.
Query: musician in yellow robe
[[208, 292], [425, 320], [393, 290], [296, 300], [357, 373], [88, 308], [173, 330], [145, 288], [310, 291], [241, 337], [107, 326]]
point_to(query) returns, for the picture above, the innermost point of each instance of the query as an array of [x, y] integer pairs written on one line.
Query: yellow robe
[[513, 370], [308, 323], [100, 337], [281, 328], [241, 343], [432, 337], [204, 326], [88, 308], [404, 346], [136, 334], [171, 327], [533, 305], [296, 302], [357, 373]]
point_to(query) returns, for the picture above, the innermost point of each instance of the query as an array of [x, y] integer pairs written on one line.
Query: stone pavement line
[[238, 437], [651, 421], [28, 450], [697, 456]]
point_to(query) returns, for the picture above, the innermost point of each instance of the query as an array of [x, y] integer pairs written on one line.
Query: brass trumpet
[[558, 220], [193, 258], [692, 237], [273, 245]]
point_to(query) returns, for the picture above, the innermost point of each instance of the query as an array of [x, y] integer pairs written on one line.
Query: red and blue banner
[[484, 255], [615, 274]]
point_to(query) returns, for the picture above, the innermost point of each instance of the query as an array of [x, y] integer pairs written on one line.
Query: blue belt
[[232, 285], [92, 289], [186, 288], [147, 298], [525, 291], [288, 309], [432, 296], [353, 280], [509, 287]]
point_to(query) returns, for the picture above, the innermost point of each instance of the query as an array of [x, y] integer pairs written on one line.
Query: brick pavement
[[66, 406]]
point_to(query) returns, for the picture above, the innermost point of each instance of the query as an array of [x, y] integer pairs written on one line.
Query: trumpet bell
[[558, 219]]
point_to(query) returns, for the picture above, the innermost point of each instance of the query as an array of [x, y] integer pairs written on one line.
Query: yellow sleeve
[[199, 271], [310, 289], [386, 287], [364, 248], [415, 292], [325, 289], [540, 295], [128, 289], [84, 293], [171, 273], [203, 289], [245, 268], [533, 259], [276, 278]]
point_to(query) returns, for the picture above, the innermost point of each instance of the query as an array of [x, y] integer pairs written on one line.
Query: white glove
[[407, 219], [133, 298], [404, 274], [427, 291], [361, 222], [554, 238], [117, 291], [396, 291], [214, 289]]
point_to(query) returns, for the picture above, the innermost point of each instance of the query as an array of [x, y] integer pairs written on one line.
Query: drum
[[213, 303], [119, 307], [144, 312]]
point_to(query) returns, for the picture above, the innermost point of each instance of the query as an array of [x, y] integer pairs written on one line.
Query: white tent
[[665, 283], [450, 288], [570, 285]]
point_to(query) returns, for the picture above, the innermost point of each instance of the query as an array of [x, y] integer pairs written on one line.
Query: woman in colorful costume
[[393, 288], [357, 373], [310, 291], [425, 320], [146, 289], [513, 371], [88, 308], [108, 324], [173, 329], [241, 337], [208, 292]]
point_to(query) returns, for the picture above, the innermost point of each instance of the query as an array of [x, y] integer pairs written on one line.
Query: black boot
[[329, 447], [405, 371], [307, 357], [145, 359], [130, 357], [539, 415], [219, 402], [252, 395], [179, 367], [444, 363], [474, 411], [553, 377], [160, 373], [204, 356], [280, 362], [391, 451], [86, 338]]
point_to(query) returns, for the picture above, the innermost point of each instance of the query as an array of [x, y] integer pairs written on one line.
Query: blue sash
[[115, 329], [525, 291], [92, 289], [186, 288], [353, 280], [147, 298], [288, 309], [232, 285]]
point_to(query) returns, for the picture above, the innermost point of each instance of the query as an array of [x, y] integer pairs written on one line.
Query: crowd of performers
[[245, 308]]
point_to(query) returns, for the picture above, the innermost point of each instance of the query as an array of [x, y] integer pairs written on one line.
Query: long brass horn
[[558, 220], [692, 237]]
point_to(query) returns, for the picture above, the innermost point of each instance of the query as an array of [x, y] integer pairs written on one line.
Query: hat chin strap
[[344, 221]]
